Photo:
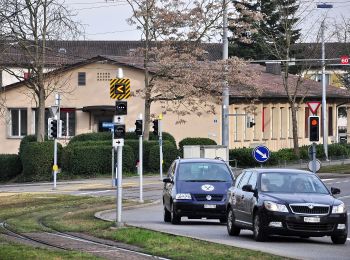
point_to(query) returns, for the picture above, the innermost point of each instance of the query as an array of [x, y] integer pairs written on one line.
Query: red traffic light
[[314, 122]]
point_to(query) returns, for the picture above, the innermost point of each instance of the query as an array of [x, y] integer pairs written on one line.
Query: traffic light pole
[[314, 157], [160, 149], [140, 168], [119, 185], [57, 118]]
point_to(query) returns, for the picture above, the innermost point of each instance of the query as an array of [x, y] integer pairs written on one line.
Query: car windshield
[[203, 171], [291, 182]]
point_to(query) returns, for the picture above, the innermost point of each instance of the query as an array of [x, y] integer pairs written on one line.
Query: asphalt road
[[312, 248], [152, 217]]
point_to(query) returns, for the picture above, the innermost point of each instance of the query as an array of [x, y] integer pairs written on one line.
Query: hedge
[[37, 160], [91, 160], [170, 153], [194, 141], [25, 140], [106, 136], [10, 166]]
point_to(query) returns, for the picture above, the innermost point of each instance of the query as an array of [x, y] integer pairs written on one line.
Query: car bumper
[[295, 225], [196, 209]]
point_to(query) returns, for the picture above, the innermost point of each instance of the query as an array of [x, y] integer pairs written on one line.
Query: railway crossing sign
[[261, 153], [119, 88]]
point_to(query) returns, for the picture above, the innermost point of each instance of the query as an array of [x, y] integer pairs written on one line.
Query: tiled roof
[[272, 86], [69, 52]]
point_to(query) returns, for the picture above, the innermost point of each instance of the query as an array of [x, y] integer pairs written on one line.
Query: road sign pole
[[314, 157], [119, 185], [57, 118], [113, 163], [140, 168]]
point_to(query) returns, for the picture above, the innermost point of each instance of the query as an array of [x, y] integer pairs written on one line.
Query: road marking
[[93, 192], [327, 179], [344, 197]]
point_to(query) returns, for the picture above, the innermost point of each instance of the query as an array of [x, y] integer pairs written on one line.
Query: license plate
[[311, 219], [209, 206]]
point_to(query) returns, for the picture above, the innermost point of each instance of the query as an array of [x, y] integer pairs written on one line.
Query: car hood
[[289, 198], [202, 187]]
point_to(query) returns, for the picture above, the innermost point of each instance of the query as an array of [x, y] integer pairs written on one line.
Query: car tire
[[339, 239], [167, 215], [258, 230], [175, 219], [232, 229]]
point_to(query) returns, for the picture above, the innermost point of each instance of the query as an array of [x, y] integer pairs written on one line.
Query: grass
[[76, 214], [343, 168]]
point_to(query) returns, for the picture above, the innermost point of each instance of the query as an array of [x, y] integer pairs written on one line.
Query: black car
[[285, 202], [196, 188]]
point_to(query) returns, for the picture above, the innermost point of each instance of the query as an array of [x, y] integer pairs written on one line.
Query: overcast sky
[[107, 20]]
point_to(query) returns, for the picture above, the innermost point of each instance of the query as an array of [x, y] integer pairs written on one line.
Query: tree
[[27, 26], [183, 79]]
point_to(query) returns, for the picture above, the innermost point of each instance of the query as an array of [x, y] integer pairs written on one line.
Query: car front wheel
[[339, 239], [258, 231], [231, 228], [175, 219]]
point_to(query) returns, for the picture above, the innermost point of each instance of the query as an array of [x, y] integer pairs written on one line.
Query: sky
[[106, 20]]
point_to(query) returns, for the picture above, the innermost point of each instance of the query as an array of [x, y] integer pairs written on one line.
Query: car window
[[204, 171], [244, 180], [291, 182], [239, 179], [171, 170], [252, 180]]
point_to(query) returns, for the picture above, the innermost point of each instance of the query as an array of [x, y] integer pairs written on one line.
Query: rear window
[[203, 171]]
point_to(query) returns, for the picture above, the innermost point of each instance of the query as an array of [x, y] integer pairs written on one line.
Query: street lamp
[[324, 104]]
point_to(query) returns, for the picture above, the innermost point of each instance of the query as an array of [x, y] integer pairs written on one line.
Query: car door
[[249, 198], [168, 187], [239, 198]]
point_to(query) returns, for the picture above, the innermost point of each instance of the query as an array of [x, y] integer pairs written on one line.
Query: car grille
[[305, 209], [203, 197], [317, 227]]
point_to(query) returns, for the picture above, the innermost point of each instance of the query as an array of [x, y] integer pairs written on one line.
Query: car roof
[[194, 160], [279, 170]]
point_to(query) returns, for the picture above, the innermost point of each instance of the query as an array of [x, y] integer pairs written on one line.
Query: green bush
[[37, 160], [91, 160], [336, 150], [10, 166], [243, 156], [170, 153], [24, 141], [285, 154], [194, 141]]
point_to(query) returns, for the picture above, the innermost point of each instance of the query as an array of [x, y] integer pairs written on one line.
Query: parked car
[[285, 202], [196, 188]]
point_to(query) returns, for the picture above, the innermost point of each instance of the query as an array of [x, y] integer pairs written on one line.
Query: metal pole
[[113, 163], [57, 118], [160, 149], [314, 157], [55, 161], [119, 185], [324, 102], [141, 163], [225, 90]]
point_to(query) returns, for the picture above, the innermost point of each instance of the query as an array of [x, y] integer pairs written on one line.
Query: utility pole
[[324, 83], [225, 89], [57, 118]]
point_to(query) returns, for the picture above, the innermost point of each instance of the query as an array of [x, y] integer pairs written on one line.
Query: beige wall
[[277, 132]]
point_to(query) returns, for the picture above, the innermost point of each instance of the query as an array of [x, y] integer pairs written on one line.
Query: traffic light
[[53, 129], [250, 122], [155, 127], [121, 108], [314, 128], [138, 129], [119, 131]]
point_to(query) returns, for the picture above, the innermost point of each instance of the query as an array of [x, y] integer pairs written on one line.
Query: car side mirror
[[248, 188], [167, 180], [335, 191]]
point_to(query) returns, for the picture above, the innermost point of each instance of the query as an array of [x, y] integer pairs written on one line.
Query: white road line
[[94, 192], [327, 179], [344, 197]]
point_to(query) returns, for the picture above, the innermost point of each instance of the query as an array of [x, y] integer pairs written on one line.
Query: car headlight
[[183, 196], [272, 206], [339, 209]]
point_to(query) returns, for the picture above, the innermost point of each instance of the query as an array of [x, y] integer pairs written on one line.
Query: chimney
[[273, 68]]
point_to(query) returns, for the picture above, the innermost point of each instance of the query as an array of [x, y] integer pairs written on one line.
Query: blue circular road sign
[[261, 153]]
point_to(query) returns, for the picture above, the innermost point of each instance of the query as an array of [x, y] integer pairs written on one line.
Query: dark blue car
[[196, 188]]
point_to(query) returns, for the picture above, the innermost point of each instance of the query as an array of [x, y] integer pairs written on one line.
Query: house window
[[330, 121], [307, 114], [18, 122], [67, 116], [235, 133], [81, 78], [103, 76]]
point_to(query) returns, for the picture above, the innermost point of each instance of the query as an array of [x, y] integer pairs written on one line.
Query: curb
[[100, 214]]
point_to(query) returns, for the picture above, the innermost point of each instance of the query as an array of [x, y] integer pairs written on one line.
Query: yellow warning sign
[[119, 88], [55, 167]]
